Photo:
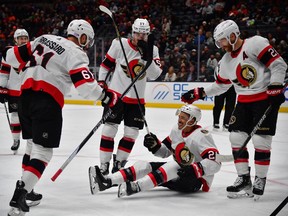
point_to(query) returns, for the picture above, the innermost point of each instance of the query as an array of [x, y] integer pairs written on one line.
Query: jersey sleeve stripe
[[23, 53], [108, 62], [220, 80], [205, 154], [78, 78], [265, 56], [5, 68]]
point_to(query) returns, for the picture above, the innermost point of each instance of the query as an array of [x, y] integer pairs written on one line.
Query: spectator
[[212, 62], [182, 74], [191, 76], [170, 75]]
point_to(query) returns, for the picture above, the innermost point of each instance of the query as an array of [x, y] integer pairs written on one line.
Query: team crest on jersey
[[246, 75], [135, 68]]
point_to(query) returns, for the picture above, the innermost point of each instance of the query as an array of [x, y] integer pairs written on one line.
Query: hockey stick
[[6, 110], [110, 14], [104, 117], [278, 209], [257, 126]]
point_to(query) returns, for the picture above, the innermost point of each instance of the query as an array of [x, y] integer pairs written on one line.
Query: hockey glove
[[193, 95], [275, 95], [112, 101], [143, 49], [4, 95], [151, 142], [195, 170], [103, 84]]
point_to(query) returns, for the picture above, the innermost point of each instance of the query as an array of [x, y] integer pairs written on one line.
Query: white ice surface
[[70, 193]]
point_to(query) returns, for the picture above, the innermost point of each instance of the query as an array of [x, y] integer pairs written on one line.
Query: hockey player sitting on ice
[[257, 72], [193, 167], [10, 78], [10, 81], [136, 50], [49, 66]]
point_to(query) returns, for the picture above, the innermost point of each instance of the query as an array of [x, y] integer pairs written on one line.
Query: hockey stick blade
[[224, 158], [105, 10], [105, 116]]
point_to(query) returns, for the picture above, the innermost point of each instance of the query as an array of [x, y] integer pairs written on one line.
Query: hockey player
[[10, 79], [257, 72], [193, 167], [136, 51], [49, 66]]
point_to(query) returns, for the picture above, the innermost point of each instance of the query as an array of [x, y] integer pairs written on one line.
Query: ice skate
[[15, 145], [104, 168], [33, 199], [242, 184], [98, 182], [92, 180], [128, 188], [258, 187], [18, 200], [216, 127], [225, 127], [16, 212], [117, 165]]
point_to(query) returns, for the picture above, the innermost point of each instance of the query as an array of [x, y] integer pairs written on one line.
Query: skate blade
[[94, 188], [256, 197], [33, 203], [15, 152], [16, 212], [235, 195], [122, 190]]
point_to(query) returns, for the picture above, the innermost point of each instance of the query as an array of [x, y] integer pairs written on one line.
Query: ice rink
[[70, 193]]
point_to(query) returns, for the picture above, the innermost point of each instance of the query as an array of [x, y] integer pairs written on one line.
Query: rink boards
[[165, 95]]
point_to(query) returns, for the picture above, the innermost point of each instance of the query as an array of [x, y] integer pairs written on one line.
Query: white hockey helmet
[[20, 32], [78, 27], [141, 26], [224, 30], [192, 111]]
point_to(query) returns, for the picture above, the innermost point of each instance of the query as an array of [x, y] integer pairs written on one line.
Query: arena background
[[183, 31]]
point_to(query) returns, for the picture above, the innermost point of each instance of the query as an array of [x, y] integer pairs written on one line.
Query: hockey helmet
[[141, 26], [20, 32], [78, 27], [224, 30], [192, 111]]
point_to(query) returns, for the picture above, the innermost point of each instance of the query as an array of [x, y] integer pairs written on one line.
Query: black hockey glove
[[151, 142], [143, 49], [193, 95], [195, 170], [112, 101], [276, 95], [4, 95]]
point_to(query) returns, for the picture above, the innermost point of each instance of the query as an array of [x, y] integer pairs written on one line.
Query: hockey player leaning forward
[[136, 52], [193, 167], [49, 66], [10, 79], [257, 72]]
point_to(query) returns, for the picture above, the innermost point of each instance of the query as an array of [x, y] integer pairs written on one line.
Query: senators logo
[[246, 75], [135, 68]]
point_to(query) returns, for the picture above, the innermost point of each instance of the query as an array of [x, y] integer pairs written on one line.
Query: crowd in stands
[[183, 28]]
